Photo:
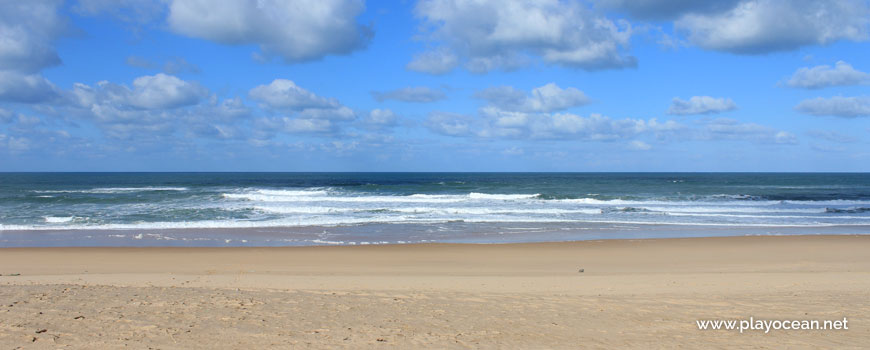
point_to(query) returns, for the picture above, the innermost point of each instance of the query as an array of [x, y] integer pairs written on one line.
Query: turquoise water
[[358, 208]]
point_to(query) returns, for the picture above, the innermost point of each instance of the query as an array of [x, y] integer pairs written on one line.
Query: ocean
[[279, 209]]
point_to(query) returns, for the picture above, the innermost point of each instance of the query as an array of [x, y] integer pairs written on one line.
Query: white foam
[[109, 190], [505, 197], [291, 193], [323, 196], [359, 199], [726, 209], [769, 216], [424, 210], [58, 219]]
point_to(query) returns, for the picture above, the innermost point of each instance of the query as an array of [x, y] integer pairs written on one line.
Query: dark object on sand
[[581, 270]]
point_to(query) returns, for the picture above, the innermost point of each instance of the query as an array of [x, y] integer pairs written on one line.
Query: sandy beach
[[631, 294]]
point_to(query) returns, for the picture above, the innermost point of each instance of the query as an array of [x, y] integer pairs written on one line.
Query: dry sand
[[643, 294]]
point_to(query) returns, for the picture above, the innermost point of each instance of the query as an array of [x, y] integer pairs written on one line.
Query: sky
[[435, 85]]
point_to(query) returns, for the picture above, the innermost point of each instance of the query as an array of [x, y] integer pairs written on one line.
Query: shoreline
[[631, 293], [393, 233]]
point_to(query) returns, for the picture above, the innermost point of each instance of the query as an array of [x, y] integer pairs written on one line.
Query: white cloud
[[27, 32], [832, 136], [267, 127], [337, 113], [282, 93], [14, 145], [730, 129], [297, 31], [307, 125], [595, 127], [837, 106], [437, 62], [450, 124], [513, 151], [154, 92], [547, 98], [153, 109], [559, 32], [135, 11], [6, 115], [785, 137], [638, 145], [495, 123], [762, 26], [26, 88], [666, 9], [700, 105], [498, 123], [381, 117], [842, 74], [313, 113], [420, 94], [162, 91]]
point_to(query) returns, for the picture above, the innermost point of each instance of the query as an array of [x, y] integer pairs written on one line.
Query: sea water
[[213, 209]]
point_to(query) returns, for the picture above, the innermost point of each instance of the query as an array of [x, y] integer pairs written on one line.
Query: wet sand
[[631, 294]]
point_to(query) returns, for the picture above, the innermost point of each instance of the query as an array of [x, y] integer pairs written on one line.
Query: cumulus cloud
[[700, 105], [763, 26], [296, 31], [381, 118], [513, 151], [547, 98], [283, 93], [305, 111], [162, 91], [26, 88], [159, 91], [497, 123], [337, 113], [437, 62], [595, 127], [832, 136], [450, 124], [13, 144], [216, 119], [730, 129], [133, 11], [638, 145], [27, 31], [151, 110], [307, 125], [511, 32], [842, 74], [6, 116], [837, 106], [420, 94], [666, 9]]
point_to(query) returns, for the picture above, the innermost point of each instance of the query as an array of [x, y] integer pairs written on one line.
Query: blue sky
[[347, 85]]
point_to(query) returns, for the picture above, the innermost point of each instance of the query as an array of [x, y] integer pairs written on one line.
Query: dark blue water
[[433, 206]]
